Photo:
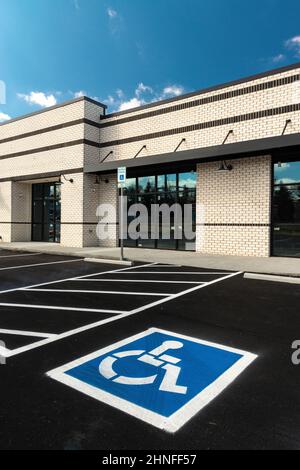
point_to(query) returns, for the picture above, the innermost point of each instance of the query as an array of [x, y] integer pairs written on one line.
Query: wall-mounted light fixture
[[66, 179], [225, 166]]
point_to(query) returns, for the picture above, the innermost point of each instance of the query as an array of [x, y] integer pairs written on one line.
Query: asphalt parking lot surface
[[192, 328]]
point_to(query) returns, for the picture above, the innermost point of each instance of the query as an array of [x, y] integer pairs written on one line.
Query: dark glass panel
[[37, 191], [37, 232], [171, 182], [161, 183], [46, 211], [130, 187], [286, 240], [187, 180], [287, 173], [286, 204], [146, 184]]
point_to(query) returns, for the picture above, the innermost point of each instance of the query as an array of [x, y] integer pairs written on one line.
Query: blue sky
[[130, 52]]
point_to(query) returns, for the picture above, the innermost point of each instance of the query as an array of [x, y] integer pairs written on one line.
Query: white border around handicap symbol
[[180, 417]]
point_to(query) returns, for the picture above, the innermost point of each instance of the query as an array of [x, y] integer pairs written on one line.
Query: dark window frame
[[157, 194]]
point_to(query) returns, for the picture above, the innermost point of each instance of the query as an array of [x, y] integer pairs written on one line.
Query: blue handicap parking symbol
[[158, 376]]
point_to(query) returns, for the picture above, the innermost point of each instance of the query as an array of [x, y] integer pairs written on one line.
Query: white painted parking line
[[48, 283], [115, 317], [52, 307], [27, 333], [164, 266], [176, 272], [39, 264], [4, 352], [139, 280], [112, 271], [17, 256], [74, 291]]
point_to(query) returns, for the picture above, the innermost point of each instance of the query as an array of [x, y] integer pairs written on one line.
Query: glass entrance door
[[286, 209], [46, 210], [164, 189]]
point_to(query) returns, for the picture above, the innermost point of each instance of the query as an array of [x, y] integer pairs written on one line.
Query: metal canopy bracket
[[181, 142], [243, 149], [144, 147], [227, 136], [287, 122], [110, 153]]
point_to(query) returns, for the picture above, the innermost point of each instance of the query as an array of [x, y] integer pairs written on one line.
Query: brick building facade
[[250, 124]]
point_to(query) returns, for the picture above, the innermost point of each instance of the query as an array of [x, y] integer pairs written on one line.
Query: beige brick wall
[[240, 86], [48, 118], [72, 211], [21, 212], [58, 161], [276, 97], [90, 204], [227, 199], [108, 194], [5, 211], [17, 208]]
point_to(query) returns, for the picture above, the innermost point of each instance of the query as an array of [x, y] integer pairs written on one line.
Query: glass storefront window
[[161, 183], [163, 189], [286, 209], [130, 186], [286, 204], [171, 182], [187, 180], [287, 173], [146, 184]]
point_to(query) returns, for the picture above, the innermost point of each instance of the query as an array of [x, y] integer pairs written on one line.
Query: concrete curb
[[109, 261], [272, 278]]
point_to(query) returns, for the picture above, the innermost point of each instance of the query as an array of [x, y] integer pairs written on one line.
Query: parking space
[[82, 339], [53, 310]]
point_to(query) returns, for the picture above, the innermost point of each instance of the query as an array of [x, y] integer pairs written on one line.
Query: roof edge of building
[[56, 106], [202, 91]]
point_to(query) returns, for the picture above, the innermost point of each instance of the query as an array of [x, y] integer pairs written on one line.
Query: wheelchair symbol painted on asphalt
[[169, 382], [160, 377]]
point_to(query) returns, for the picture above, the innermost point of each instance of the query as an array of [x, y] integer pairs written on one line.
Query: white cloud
[[141, 88], [79, 94], [278, 58], [110, 100], [115, 22], [111, 12], [39, 98], [119, 93], [133, 103], [294, 45], [173, 90], [4, 117], [143, 94]]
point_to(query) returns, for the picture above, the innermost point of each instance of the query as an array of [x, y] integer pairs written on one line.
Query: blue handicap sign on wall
[[161, 377]]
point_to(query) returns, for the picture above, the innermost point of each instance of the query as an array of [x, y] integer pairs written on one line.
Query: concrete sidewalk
[[280, 266]]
